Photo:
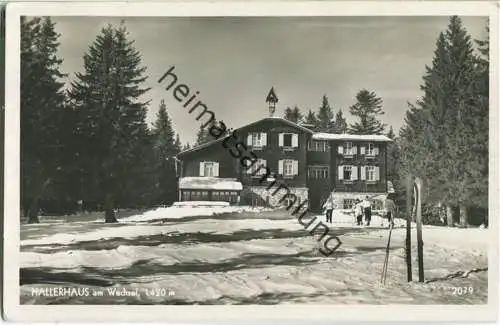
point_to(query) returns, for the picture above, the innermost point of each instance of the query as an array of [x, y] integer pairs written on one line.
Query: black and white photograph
[[251, 159]]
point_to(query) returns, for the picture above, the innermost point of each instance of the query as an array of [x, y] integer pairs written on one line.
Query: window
[[287, 140], [317, 172], [377, 205], [370, 149], [349, 151], [258, 168], [319, 146], [370, 173], [288, 168], [257, 139], [347, 173], [209, 169], [348, 204]]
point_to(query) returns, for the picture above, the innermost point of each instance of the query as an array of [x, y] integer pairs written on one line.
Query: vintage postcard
[[210, 161]]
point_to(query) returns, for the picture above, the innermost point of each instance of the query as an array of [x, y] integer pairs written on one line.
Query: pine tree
[[325, 116], [203, 136], [467, 151], [391, 134], [166, 147], [177, 144], [111, 126], [297, 115], [480, 192], [288, 114], [340, 125], [187, 146], [42, 111], [445, 132], [293, 114], [311, 121], [368, 108]]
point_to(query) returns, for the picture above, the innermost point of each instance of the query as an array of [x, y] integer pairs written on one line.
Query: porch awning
[[209, 183]]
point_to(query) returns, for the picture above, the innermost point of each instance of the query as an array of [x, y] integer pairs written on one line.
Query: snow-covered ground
[[240, 255]]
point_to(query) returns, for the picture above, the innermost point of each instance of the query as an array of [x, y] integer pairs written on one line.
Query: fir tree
[[340, 125], [42, 113], [368, 108], [445, 132], [311, 121], [296, 115], [164, 134], [391, 134], [293, 114], [187, 146], [288, 114], [177, 144], [203, 136], [166, 147], [325, 116], [112, 130], [466, 123]]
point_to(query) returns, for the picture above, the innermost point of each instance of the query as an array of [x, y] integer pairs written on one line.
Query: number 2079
[[460, 291]]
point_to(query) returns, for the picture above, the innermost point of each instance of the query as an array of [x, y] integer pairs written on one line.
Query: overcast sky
[[234, 61]]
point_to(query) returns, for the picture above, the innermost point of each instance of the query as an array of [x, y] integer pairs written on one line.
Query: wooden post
[[420, 243], [408, 227]]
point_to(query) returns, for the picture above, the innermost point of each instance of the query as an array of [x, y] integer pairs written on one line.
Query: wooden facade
[[322, 163]]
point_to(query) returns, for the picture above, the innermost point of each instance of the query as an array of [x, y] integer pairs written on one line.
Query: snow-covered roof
[[208, 144], [360, 137], [209, 183]]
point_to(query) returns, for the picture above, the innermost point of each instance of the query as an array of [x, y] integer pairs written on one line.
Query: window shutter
[[295, 167], [363, 172], [264, 138], [341, 172], [354, 175], [202, 168], [375, 150], [354, 150], [280, 139], [216, 169], [280, 167], [249, 139], [295, 140], [340, 150], [377, 173], [362, 150]]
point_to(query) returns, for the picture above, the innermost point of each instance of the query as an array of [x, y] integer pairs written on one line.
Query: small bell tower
[[272, 99]]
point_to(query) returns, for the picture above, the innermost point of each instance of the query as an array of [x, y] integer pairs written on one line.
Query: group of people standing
[[362, 209]]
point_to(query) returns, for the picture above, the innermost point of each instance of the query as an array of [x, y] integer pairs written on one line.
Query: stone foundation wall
[[267, 196]]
